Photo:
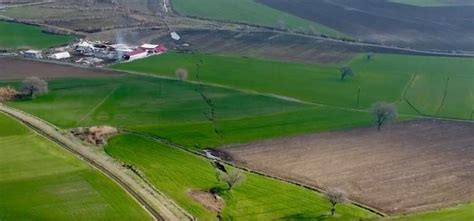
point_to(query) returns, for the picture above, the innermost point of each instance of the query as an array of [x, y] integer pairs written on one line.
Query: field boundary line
[[407, 87], [98, 105], [202, 155], [154, 202]]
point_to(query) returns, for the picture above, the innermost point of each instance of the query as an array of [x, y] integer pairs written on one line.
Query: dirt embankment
[[407, 167]]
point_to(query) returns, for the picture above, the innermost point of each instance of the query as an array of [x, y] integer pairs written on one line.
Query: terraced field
[[431, 86], [15, 35], [41, 181], [258, 198]]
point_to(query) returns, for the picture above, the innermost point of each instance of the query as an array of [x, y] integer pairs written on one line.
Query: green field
[[461, 212], [41, 181], [250, 12], [390, 78], [176, 172], [430, 3], [16, 35], [175, 110]]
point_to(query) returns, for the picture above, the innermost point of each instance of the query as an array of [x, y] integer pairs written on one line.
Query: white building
[[60, 55], [175, 36], [33, 54]]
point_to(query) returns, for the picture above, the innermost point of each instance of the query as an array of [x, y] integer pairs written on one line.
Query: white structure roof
[[149, 46], [33, 52], [175, 36], [60, 55]]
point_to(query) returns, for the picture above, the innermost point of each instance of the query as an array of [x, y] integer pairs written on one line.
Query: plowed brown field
[[407, 167]]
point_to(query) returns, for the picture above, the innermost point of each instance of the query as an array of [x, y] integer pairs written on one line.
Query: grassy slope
[[258, 198], [247, 11], [382, 79], [15, 35], [40, 181], [177, 113]]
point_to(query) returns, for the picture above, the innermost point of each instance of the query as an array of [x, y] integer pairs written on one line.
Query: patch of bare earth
[[14, 69], [210, 201], [407, 167]]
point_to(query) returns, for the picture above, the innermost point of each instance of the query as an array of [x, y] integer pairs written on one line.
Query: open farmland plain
[[250, 12], [389, 23], [16, 35], [177, 173], [431, 3], [175, 110], [41, 181], [427, 86], [408, 167]]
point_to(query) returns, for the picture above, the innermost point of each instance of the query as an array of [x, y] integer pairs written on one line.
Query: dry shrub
[[7, 94], [182, 74]]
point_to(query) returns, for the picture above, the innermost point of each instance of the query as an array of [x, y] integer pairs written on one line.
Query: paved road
[[158, 205]]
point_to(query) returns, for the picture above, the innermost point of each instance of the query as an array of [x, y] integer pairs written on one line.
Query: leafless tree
[[182, 74], [384, 113], [233, 178], [346, 71], [334, 197], [7, 94], [34, 86]]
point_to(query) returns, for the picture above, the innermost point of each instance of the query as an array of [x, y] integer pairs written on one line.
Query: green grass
[[390, 78], [461, 212], [41, 181], [250, 12], [16, 35], [430, 3], [177, 172], [175, 110]]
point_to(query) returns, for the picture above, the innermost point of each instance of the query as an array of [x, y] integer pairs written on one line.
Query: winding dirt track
[[157, 204]]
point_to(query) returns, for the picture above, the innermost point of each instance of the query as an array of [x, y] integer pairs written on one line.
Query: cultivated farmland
[[175, 110], [432, 28], [41, 181], [250, 12], [413, 166], [412, 82], [17, 69], [15, 35], [431, 3], [177, 172]]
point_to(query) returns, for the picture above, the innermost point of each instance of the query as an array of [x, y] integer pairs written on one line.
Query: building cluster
[[97, 53]]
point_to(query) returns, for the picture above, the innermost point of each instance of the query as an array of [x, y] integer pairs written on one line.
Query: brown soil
[[407, 167], [15, 68], [209, 200]]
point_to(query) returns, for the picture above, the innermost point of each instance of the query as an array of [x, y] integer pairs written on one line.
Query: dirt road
[[158, 205]]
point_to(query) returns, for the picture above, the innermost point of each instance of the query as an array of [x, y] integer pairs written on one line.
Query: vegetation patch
[[15, 35], [41, 181], [250, 12], [176, 172]]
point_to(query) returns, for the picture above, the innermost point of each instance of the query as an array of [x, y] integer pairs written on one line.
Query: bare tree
[[232, 178], [34, 86], [384, 113], [7, 94], [334, 197], [346, 71], [182, 74]]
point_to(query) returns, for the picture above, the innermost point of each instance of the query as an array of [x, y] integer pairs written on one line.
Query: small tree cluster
[[383, 113], [182, 74], [232, 179], [334, 197], [345, 72], [34, 86]]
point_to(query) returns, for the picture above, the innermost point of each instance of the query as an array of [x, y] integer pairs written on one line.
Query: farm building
[[136, 54], [35, 54], [60, 55], [155, 49]]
